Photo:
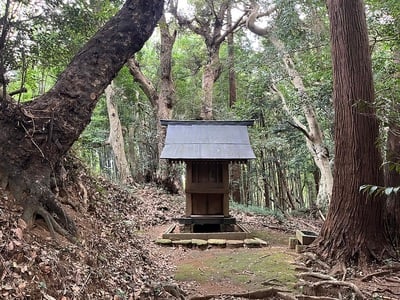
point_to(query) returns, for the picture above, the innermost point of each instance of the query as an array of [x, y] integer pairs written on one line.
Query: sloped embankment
[[111, 261]]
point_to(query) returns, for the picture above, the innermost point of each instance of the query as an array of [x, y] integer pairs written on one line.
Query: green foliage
[[41, 47], [188, 60], [374, 190], [256, 210], [44, 36]]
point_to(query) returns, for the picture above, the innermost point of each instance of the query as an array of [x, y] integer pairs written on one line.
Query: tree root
[[387, 270], [334, 282], [175, 291], [54, 227], [313, 258], [270, 293], [315, 275], [306, 297]]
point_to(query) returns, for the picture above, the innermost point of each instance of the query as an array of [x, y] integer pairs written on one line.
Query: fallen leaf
[[22, 285], [47, 297], [22, 224], [24, 269], [18, 232], [17, 243], [10, 246]]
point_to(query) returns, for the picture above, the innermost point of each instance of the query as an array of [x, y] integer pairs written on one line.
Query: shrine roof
[[207, 140]]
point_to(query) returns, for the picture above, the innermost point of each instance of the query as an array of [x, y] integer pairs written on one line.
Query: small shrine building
[[207, 148]]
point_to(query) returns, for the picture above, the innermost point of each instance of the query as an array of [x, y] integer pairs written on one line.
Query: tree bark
[[37, 134], [116, 137], [353, 232], [162, 99], [231, 62], [166, 174]]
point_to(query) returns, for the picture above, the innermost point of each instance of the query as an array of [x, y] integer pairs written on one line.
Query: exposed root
[[272, 281], [53, 225], [175, 291], [312, 257], [315, 275], [352, 286], [56, 219], [381, 273], [270, 293], [305, 297]]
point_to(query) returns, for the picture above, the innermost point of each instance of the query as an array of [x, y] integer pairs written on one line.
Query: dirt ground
[[116, 257], [204, 265]]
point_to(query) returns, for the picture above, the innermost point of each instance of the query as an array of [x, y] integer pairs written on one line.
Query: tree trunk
[[235, 182], [264, 172], [231, 62], [37, 134], [354, 229], [162, 100], [212, 71], [116, 137], [315, 144], [166, 173], [392, 179]]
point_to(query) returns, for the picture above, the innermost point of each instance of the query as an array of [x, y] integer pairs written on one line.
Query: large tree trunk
[[162, 99], [354, 229], [37, 134]]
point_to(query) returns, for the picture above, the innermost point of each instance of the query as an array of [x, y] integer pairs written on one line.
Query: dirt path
[[222, 271]]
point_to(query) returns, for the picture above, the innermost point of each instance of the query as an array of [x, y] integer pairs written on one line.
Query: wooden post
[[225, 182], [188, 210]]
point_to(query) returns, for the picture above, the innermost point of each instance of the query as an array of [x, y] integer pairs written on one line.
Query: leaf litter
[[114, 259]]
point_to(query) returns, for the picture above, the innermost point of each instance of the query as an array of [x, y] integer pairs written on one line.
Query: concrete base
[[305, 237], [240, 233]]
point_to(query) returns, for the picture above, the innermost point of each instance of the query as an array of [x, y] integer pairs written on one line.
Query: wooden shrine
[[207, 148]]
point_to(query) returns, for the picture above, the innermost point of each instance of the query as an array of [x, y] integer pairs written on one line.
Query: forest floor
[[116, 257]]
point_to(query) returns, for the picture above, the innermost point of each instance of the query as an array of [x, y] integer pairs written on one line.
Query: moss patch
[[248, 268]]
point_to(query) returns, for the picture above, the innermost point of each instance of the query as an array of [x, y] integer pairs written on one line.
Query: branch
[[300, 128], [232, 28], [254, 15], [297, 122], [173, 9], [145, 84], [19, 91]]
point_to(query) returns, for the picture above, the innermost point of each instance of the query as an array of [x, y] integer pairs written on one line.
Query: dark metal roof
[[205, 140]]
